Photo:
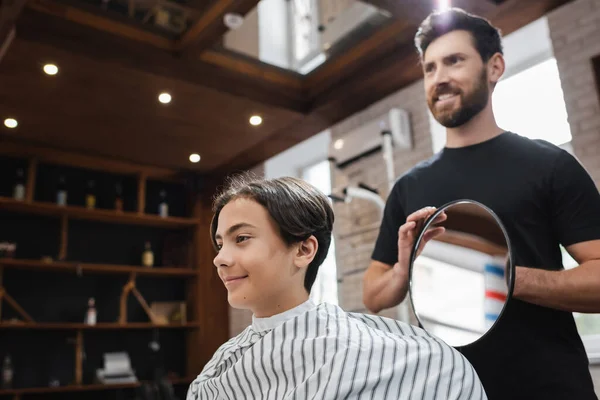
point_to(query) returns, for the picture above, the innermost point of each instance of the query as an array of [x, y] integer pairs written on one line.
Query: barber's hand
[[408, 233]]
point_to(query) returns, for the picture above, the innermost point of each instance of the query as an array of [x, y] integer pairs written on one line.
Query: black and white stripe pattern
[[326, 353]]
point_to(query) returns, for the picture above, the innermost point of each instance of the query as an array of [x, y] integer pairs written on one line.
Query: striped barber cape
[[323, 352]]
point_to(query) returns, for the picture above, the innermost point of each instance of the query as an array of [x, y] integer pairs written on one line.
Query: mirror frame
[[511, 267]]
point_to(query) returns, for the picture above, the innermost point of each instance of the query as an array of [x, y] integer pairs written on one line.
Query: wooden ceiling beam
[[100, 23], [210, 26], [9, 12], [124, 28], [414, 11], [369, 51], [15, 148], [411, 11], [75, 38]]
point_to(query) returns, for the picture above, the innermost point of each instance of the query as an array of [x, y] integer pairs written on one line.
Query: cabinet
[[66, 254]]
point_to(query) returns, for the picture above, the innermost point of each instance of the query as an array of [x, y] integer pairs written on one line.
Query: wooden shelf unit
[[97, 215], [206, 299], [74, 267]]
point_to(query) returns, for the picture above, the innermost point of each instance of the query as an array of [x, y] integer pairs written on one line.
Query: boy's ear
[[307, 250]]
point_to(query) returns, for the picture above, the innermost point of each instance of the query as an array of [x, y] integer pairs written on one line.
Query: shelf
[[69, 266], [85, 388], [58, 326], [98, 215]]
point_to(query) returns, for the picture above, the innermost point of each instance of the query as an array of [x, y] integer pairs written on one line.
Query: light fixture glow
[[338, 144], [255, 120], [164, 98], [50, 69], [443, 5], [10, 123], [194, 158]]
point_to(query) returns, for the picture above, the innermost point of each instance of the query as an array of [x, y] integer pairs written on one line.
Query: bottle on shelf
[[7, 372], [90, 315], [147, 256], [163, 208], [118, 197], [19, 189], [61, 194], [90, 196]]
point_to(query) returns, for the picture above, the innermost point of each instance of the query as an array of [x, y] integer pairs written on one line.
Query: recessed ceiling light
[[338, 144], [50, 69], [255, 120], [164, 98], [10, 123], [194, 158]]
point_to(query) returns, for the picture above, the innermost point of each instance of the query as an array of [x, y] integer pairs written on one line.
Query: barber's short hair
[[298, 209], [486, 37]]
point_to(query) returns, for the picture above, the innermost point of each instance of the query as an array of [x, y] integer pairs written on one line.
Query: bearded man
[[543, 196]]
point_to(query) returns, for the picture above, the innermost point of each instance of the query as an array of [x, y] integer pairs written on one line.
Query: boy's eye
[[219, 246], [240, 238]]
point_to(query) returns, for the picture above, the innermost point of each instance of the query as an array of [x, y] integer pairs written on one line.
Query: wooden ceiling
[[112, 67]]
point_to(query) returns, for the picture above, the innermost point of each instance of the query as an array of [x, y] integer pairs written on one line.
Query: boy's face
[[455, 79], [261, 273]]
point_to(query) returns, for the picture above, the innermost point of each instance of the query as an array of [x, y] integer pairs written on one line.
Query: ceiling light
[[50, 69], [338, 144], [10, 123], [194, 158], [255, 120], [164, 98]]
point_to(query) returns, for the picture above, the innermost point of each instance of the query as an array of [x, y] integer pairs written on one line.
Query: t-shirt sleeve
[[575, 202], [386, 245]]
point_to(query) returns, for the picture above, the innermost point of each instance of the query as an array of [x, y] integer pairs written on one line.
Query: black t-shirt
[[544, 198]]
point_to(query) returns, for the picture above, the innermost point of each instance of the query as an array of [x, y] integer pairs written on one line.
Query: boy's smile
[[231, 281]]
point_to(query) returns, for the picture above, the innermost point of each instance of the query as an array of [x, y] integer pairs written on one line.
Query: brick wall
[[357, 223], [575, 35]]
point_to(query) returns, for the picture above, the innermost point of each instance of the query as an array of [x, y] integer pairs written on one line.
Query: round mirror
[[461, 272]]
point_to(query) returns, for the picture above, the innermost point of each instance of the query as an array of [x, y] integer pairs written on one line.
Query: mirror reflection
[[460, 277]]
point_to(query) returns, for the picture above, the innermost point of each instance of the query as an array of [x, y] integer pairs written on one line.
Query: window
[[305, 43], [325, 286], [531, 103]]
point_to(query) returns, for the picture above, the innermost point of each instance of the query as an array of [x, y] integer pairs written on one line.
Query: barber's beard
[[470, 104]]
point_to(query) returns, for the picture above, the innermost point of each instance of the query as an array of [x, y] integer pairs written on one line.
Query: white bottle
[[61, 194], [90, 316], [163, 208], [148, 256], [7, 373], [19, 189]]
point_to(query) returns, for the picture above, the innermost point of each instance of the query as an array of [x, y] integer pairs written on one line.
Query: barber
[[543, 196]]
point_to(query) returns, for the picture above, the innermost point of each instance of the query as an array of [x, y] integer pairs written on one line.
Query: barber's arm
[[384, 285], [575, 290], [576, 221]]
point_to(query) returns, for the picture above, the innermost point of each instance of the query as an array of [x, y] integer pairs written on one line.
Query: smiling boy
[[271, 237]]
